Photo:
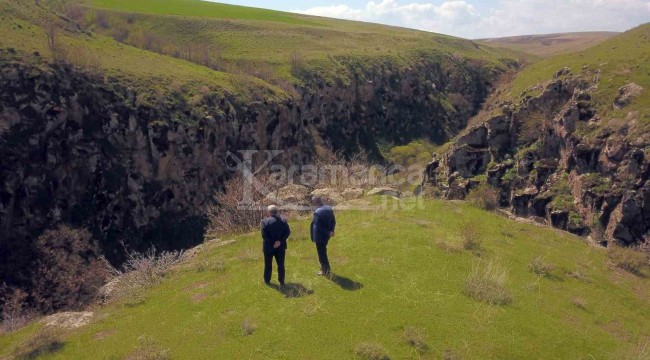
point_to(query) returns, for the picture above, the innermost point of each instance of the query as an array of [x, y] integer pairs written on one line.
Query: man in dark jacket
[[322, 229], [275, 232]]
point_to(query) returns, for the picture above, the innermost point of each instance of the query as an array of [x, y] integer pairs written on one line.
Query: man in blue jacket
[[275, 232], [322, 229]]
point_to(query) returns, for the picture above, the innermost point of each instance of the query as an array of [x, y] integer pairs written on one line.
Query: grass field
[[401, 278], [551, 44]]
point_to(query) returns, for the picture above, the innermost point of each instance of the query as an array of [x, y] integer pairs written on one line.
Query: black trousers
[[322, 257], [279, 255]]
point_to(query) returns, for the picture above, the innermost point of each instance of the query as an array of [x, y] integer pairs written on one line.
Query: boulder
[[469, 161], [626, 94], [352, 193], [290, 194], [384, 191], [330, 196], [562, 72]]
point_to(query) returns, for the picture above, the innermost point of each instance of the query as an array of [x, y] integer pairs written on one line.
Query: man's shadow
[[345, 283], [292, 290]]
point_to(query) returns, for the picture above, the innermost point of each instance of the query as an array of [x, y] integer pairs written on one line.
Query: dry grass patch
[[211, 265], [640, 351], [628, 259], [448, 247], [487, 283], [416, 338], [248, 327], [472, 241], [250, 255], [46, 341], [371, 351], [580, 303], [540, 267], [149, 349]]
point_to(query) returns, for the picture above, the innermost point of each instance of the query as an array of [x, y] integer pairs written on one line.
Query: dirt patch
[[617, 330], [197, 298], [103, 334], [197, 286]]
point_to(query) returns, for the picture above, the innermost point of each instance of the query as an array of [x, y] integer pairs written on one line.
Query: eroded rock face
[[583, 182]]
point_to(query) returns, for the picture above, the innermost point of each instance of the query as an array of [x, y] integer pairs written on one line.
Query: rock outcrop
[[554, 158]]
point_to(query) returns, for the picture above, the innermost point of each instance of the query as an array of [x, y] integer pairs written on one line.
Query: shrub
[[539, 267], [371, 351], [215, 265], [15, 313], [248, 327], [415, 153], [484, 197], [448, 247], [67, 270], [487, 284], [628, 259], [44, 342], [149, 349], [580, 303], [143, 270], [415, 337], [640, 351], [471, 239], [229, 215]]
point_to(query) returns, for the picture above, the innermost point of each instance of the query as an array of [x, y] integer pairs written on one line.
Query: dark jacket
[[274, 228], [323, 224]]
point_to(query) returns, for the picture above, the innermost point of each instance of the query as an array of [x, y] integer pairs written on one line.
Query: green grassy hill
[[267, 44], [187, 44], [616, 62], [551, 44], [401, 277]]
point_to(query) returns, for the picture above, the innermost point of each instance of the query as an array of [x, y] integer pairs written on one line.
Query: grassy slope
[[621, 60], [551, 44], [406, 281], [21, 26], [254, 36], [197, 8]]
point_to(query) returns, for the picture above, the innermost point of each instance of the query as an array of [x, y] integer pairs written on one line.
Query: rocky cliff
[[555, 158]]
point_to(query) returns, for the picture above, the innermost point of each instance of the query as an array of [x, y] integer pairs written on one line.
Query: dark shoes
[[326, 274]]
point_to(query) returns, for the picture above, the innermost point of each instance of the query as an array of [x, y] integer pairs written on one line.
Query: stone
[[562, 72], [626, 94], [385, 191], [69, 320], [290, 194], [352, 193], [331, 196]]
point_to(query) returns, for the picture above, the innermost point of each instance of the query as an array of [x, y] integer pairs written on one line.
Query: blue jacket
[[274, 228], [323, 224]]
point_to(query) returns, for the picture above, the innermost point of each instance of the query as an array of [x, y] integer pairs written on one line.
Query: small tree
[[67, 269]]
